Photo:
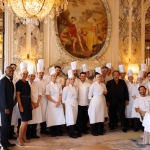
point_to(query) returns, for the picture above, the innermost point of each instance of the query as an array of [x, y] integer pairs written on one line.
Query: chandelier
[[32, 11]]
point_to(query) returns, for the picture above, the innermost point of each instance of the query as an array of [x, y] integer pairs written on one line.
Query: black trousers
[[82, 118], [136, 123], [43, 127], [97, 127], [31, 129], [71, 130], [5, 127], [11, 131], [120, 108], [19, 124], [55, 130]]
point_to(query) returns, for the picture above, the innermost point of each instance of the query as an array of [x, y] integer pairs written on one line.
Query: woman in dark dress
[[24, 100]]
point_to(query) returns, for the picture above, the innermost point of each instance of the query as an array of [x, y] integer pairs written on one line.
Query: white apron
[[71, 105], [146, 122], [36, 113], [54, 115], [43, 101], [128, 110], [97, 110]]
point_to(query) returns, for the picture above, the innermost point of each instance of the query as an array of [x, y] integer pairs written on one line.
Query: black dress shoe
[[12, 137], [4, 148], [53, 135], [100, 133], [94, 134], [85, 132], [10, 144], [124, 129], [112, 129], [73, 136], [35, 136], [79, 134], [28, 137], [135, 130]]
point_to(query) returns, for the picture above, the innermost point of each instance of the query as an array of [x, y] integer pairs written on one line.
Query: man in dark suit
[[117, 97], [6, 106]]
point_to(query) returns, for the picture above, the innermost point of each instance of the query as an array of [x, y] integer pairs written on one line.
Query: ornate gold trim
[[62, 49]]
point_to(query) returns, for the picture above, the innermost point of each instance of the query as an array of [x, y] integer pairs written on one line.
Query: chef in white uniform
[[55, 113], [142, 103], [122, 73], [144, 69], [46, 76], [148, 83], [36, 94], [82, 119], [86, 70], [109, 75], [43, 101], [97, 108], [130, 86], [74, 67], [136, 94], [69, 97]]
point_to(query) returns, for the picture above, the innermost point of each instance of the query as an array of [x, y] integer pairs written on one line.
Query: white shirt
[[75, 83], [36, 90], [54, 90], [143, 103], [88, 81], [83, 93], [96, 89], [145, 81], [43, 84]]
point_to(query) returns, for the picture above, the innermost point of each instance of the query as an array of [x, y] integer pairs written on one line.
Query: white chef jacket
[[83, 93], [47, 78], [88, 81], [97, 110], [54, 115], [36, 91], [145, 81], [146, 122], [143, 103], [75, 83], [135, 92], [69, 97], [128, 111], [43, 101]]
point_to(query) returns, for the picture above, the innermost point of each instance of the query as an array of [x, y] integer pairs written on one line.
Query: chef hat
[[70, 74], [130, 73], [108, 65], [121, 68], [98, 69], [74, 65], [23, 65], [41, 61], [32, 70], [140, 74], [52, 70], [40, 67], [85, 67], [143, 67]]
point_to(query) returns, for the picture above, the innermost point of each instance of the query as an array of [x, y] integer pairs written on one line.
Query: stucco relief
[[136, 31], [123, 31], [19, 42]]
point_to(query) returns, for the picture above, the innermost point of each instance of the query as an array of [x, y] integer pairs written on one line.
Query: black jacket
[[117, 93], [6, 94]]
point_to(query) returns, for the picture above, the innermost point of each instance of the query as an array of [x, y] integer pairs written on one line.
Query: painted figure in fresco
[[61, 27], [93, 34], [84, 35], [74, 34]]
